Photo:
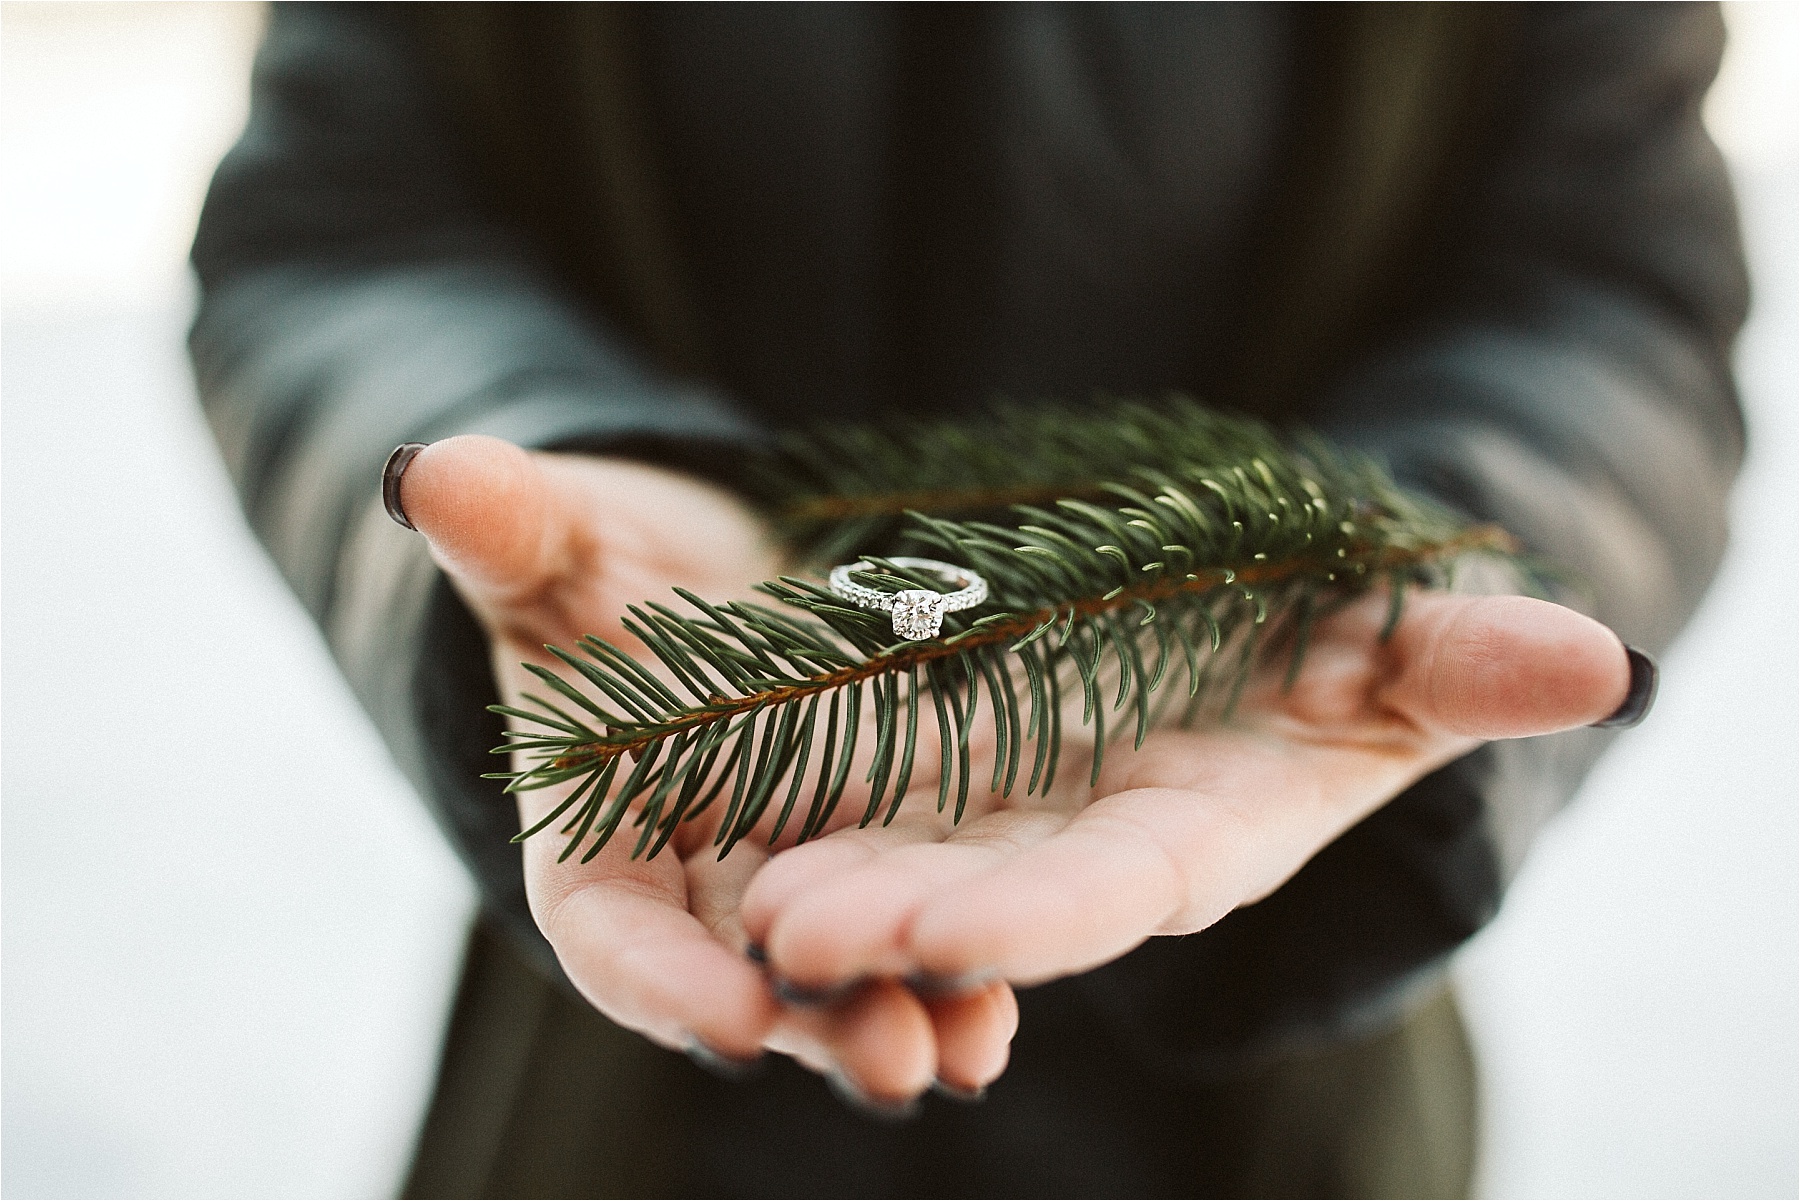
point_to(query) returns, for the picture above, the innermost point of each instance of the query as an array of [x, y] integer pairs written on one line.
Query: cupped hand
[[1194, 824], [546, 548]]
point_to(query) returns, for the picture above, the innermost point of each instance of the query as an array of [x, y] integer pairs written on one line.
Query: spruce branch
[[1187, 565], [838, 491]]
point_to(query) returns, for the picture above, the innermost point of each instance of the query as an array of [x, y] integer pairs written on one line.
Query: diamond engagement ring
[[918, 612]]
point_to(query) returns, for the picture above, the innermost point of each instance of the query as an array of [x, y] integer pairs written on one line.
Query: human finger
[[844, 917], [1202, 823], [1114, 875], [877, 1045], [792, 873], [552, 546], [656, 945], [624, 934], [491, 515], [974, 1030], [1492, 667]]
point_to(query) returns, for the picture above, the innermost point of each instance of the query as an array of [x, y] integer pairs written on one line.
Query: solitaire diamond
[[918, 613]]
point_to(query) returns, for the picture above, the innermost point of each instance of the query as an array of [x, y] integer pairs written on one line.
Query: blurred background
[[230, 932]]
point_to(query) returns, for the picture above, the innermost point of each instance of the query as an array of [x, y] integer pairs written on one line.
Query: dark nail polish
[[396, 467], [726, 1067], [799, 995], [930, 984], [878, 1108], [756, 954], [967, 1096], [1639, 697]]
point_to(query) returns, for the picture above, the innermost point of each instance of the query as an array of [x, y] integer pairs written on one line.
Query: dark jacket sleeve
[[1569, 378], [355, 297]]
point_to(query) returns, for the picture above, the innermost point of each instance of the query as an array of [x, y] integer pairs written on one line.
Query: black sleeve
[[1570, 380], [354, 297]]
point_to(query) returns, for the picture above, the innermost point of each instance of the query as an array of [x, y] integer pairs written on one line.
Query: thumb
[[1505, 667], [492, 518]]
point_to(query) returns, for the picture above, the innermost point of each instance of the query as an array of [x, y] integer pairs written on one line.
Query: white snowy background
[[230, 932]]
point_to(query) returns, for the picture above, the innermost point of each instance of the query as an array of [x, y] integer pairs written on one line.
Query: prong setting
[[917, 613]]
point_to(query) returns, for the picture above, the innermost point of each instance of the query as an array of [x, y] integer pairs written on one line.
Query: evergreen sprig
[[1215, 540], [839, 491]]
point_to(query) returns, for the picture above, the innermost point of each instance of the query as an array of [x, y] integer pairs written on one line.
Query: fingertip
[[715, 997], [654, 968], [1082, 898], [885, 1043], [481, 503], [853, 923], [444, 477], [1509, 667], [974, 1037], [789, 874]]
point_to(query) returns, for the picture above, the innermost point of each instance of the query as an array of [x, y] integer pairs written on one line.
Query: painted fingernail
[[1639, 697], [932, 984], [881, 1109], [967, 1096], [755, 953], [803, 997], [397, 464], [726, 1067]]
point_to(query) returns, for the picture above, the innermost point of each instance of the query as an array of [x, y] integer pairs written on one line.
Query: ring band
[[918, 613]]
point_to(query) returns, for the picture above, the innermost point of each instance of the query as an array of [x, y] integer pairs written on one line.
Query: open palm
[[898, 945]]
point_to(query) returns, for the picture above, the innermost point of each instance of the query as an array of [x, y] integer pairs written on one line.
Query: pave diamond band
[[918, 613]]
